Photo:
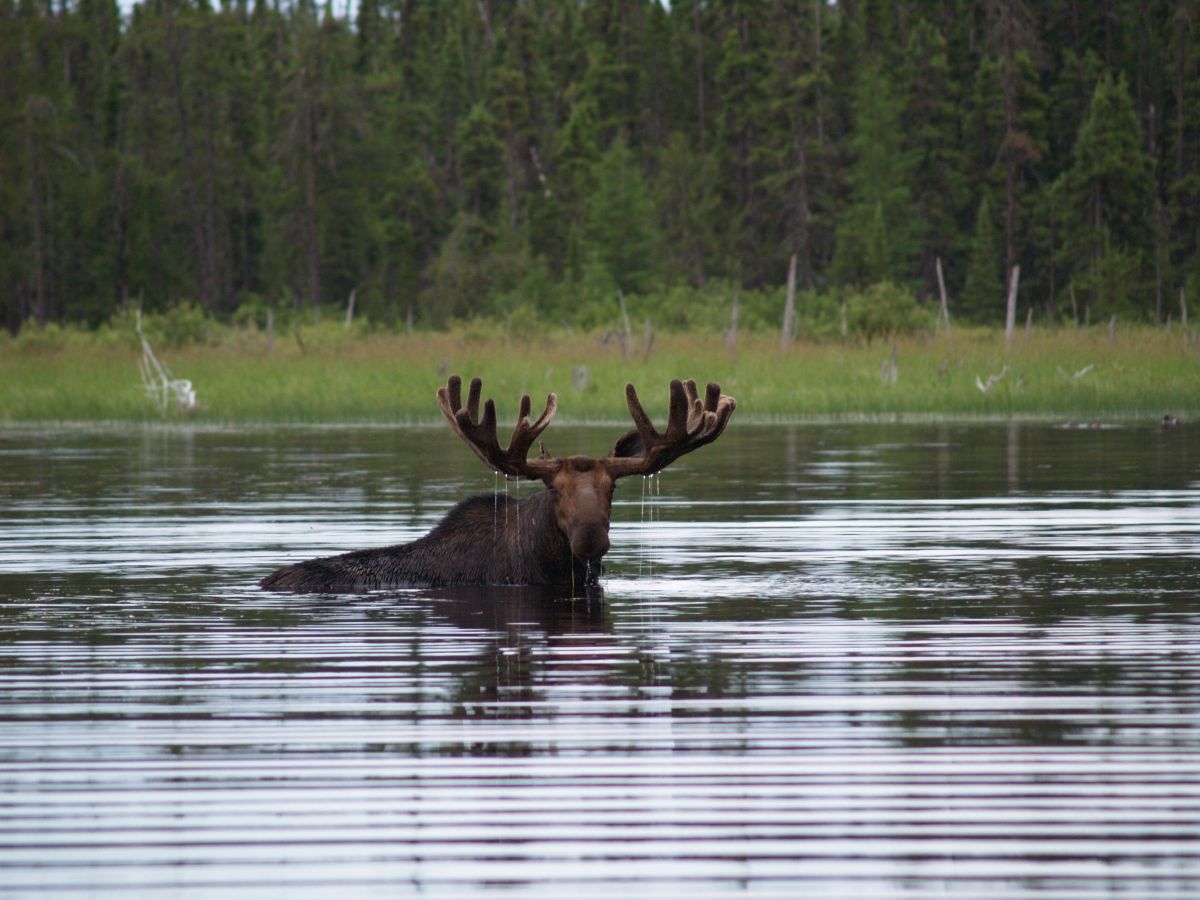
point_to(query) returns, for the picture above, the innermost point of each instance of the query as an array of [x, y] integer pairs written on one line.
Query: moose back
[[556, 537]]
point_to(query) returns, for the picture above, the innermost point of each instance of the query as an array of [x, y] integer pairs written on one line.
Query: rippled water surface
[[895, 661]]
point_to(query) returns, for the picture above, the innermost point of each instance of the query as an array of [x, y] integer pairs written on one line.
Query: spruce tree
[[621, 231], [1106, 201], [876, 235], [1182, 148], [983, 290], [933, 127], [688, 207]]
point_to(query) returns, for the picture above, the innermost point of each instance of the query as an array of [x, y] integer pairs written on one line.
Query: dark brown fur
[[489, 539], [557, 537]]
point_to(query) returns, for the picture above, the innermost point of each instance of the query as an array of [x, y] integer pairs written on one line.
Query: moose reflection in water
[[557, 536]]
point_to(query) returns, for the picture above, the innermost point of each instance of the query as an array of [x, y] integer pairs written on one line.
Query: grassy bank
[[341, 375]]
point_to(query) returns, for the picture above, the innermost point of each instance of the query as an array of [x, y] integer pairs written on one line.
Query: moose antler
[[691, 423], [480, 435]]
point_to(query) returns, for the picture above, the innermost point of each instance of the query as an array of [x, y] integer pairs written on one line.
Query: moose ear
[[630, 445]]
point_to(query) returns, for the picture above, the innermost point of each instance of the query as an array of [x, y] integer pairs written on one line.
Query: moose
[[555, 537]]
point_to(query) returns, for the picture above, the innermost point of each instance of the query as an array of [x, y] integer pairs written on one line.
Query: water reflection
[[825, 661]]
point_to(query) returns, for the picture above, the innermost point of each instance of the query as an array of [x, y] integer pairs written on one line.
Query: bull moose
[[555, 537]]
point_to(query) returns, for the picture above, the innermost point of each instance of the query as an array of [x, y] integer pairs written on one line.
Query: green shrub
[[251, 311], [184, 324], [885, 309], [819, 315], [43, 338]]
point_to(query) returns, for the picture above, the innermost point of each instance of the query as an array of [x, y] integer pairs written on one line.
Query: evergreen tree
[[933, 126], [557, 215], [742, 76], [793, 156], [621, 232], [876, 237], [479, 159], [1105, 198], [688, 210], [983, 291], [1181, 163], [1013, 41]]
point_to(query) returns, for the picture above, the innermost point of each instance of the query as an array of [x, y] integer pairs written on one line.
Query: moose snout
[[589, 541]]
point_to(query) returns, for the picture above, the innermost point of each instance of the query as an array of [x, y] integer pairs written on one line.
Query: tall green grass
[[345, 375]]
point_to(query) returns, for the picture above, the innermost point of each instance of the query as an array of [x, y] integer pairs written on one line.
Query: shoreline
[[381, 379]]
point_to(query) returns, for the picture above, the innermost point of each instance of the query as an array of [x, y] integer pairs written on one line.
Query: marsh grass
[[348, 375]]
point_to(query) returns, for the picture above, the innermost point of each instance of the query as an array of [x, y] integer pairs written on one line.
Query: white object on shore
[[991, 381], [157, 379]]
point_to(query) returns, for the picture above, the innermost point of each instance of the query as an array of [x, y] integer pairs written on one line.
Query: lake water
[[879, 660]]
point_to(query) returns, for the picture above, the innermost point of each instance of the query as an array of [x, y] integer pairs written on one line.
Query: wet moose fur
[[489, 539]]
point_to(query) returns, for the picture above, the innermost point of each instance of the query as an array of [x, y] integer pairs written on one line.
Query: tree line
[[441, 159]]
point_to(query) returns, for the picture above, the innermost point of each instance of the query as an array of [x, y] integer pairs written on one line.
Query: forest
[[435, 161]]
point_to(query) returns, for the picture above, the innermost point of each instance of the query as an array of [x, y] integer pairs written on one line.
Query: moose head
[[582, 487]]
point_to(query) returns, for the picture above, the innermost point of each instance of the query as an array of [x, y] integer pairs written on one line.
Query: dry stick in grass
[[579, 377], [1010, 316], [789, 307], [627, 334], [992, 379], [889, 372], [731, 334], [157, 379], [945, 311]]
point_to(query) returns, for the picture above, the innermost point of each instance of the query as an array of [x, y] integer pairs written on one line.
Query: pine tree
[[876, 236], [1012, 40], [983, 291], [555, 226], [932, 123], [1106, 202], [735, 79], [621, 232], [688, 207], [1182, 147], [793, 155], [479, 158], [14, 41]]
